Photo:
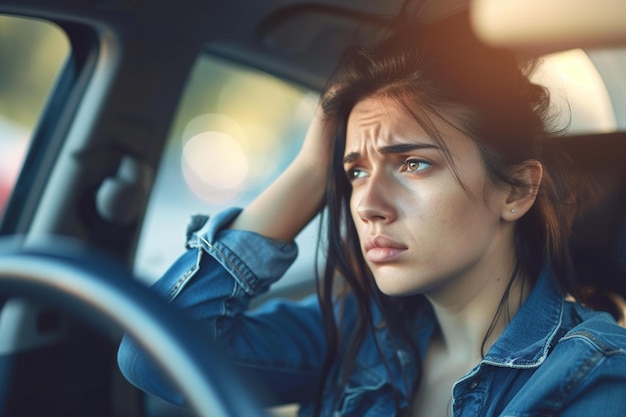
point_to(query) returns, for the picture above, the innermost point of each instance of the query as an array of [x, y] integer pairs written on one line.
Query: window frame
[[51, 128]]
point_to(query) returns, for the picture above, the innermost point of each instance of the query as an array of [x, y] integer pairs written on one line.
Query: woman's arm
[[235, 257], [281, 343], [288, 204]]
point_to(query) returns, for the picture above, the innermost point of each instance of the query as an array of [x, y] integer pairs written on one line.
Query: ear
[[522, 195]]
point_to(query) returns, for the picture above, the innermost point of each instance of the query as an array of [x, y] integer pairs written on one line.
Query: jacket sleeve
[[279, 346]]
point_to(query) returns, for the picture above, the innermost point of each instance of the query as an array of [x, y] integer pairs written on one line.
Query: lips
[[380, 249]]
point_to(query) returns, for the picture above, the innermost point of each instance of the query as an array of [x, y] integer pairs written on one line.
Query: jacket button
[[473, 385]]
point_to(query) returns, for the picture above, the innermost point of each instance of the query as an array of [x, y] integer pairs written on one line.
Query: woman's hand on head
[[296, 196], [316, 149]]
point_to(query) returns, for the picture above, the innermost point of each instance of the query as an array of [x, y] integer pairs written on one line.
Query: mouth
[[381, 249]]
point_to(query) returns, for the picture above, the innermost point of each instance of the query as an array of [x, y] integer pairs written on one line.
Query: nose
[[373, 201]]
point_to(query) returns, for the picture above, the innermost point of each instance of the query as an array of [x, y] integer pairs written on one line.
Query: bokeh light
[[576, 85], [214, 166], [241, 143]]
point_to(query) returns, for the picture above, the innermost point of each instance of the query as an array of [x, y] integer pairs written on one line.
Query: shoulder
[[593, 349], [598, 330], [584, 371]]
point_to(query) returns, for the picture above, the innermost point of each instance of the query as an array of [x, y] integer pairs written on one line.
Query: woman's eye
[[355, 173], [416, 165]]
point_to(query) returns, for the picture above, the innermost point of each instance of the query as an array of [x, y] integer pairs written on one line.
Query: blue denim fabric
[[555, 357]]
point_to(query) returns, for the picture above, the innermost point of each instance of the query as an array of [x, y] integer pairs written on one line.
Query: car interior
[[119, 119]]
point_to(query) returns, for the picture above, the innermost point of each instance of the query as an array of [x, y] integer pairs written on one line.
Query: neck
[[473, 318]]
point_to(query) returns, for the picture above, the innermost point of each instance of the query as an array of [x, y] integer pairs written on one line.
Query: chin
[[393, 286], [392, 289]]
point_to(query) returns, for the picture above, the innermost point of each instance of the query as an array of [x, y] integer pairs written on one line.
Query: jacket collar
[[527, 340]]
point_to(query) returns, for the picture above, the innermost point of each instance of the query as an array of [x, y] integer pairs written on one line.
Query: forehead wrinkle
[[369, 130], [370, 127]]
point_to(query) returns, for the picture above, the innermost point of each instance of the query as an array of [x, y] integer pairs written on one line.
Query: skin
[[422, 231], [290, 202]]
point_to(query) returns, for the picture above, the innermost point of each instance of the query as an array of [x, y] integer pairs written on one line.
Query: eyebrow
[[392, 149]]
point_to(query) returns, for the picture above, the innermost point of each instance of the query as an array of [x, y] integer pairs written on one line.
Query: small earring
[[512, 210]]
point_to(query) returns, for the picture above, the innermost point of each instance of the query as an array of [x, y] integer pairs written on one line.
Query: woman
[[448, 226]]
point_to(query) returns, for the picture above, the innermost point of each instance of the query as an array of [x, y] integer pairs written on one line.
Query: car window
[[32, 53], [235, 130], [578, 90]]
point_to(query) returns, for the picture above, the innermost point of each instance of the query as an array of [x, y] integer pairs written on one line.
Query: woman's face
[[420, 229]]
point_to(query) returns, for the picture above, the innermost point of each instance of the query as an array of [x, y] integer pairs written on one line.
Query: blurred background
[[234, 132]]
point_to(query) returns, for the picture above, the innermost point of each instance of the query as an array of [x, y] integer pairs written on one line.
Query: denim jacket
[[556, 357]]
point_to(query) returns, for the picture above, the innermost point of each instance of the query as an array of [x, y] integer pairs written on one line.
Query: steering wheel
[[66, 275]]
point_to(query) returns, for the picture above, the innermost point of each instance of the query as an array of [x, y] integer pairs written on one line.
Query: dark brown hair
[[430, 70]]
